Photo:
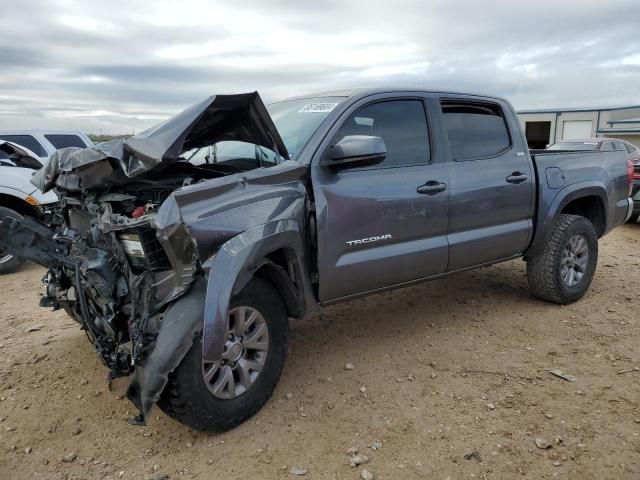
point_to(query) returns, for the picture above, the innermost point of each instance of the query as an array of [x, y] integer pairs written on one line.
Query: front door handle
[[517, 177], [432, 187]]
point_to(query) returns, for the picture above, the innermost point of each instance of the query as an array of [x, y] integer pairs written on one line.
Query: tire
[[545, 271], [9, 263], [633, 218], [188, 399]]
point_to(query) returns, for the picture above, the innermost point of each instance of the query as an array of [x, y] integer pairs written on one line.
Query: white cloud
[[120, 65]]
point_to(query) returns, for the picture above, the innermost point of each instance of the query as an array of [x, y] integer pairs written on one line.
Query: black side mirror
[[355, 151]]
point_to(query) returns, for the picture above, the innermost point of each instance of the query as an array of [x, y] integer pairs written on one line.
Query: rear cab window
[[475, 130], [27, 141], [402, 124], [59, 140]]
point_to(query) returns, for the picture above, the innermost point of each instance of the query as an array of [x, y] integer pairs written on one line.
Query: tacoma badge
[[377, 238]]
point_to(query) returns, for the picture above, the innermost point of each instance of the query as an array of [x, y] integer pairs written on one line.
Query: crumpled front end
[[121, 258]]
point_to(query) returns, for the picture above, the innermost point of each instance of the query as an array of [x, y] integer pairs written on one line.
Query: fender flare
[[233, 267], [563, 197]]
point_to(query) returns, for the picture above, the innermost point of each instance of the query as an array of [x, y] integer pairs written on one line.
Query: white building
[[544, 127]]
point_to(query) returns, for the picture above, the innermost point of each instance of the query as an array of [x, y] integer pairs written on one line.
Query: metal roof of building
[[576, 109]]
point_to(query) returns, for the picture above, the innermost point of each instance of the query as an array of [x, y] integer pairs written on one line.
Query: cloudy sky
[[115, 66]]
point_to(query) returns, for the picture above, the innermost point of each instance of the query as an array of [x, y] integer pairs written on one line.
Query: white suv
[[22, 153], [44, 142]]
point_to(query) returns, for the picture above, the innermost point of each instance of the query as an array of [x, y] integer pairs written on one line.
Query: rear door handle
[[517, 177], [432, 187]]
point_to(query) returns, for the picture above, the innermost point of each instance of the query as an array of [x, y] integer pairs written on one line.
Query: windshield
[[296, 121], [574, 146]]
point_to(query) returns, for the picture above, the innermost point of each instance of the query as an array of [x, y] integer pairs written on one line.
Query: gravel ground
[[449, 380]]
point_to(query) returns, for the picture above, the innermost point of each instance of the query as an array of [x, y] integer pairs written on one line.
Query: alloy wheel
[[244, 355], [575, 259]]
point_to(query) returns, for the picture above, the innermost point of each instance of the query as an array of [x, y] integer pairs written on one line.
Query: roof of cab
[[366, 91]]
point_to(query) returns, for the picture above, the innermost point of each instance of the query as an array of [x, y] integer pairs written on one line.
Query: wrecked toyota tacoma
[[183, 251]]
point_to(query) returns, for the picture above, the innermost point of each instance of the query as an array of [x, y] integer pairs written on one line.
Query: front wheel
[[562, 272], [218, 396], [8, 263]]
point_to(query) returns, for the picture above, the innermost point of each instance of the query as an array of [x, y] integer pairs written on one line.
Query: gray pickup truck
[[184, 250]]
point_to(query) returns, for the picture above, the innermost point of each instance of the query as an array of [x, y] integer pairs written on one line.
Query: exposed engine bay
[[125, 274]]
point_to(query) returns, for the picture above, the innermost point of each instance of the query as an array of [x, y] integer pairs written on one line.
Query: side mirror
[[355, 151]]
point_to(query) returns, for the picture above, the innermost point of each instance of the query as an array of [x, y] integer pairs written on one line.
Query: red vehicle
[[610, 145]]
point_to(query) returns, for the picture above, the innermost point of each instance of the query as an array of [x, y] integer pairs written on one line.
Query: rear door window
[[402, 124], [27, 141], [475, 130], [64, 141]]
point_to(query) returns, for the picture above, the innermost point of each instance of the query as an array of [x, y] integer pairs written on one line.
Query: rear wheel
[[8, 263], [562, 272], [217, 396], [633, 218]]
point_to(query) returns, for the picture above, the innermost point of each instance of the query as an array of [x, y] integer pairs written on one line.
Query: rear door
[[375, 227], [491, 181]]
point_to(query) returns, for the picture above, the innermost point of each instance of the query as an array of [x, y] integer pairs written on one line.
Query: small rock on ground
[[542, 443], [377, 445], [358, 460], [475, 455], [69, 457], [298, 471], [366, 475]]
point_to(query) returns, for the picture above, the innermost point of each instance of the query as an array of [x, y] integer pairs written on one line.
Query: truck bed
[[565, 171]]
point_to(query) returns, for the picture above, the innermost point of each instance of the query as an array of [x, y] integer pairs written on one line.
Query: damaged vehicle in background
[[19, 198], [184, 250]]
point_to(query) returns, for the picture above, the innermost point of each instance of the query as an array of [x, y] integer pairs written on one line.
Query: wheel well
[[280, 268], [590, 207], [20, 206]]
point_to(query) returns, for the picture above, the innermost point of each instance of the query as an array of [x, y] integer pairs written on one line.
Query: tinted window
[[402, 124], [475, 130], [607, 147], [64, 141], [619, 147], [27, 141]]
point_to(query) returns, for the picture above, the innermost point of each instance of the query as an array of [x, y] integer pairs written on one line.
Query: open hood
[[242, 117]]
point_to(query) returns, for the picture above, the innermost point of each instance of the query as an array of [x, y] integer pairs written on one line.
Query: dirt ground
[[449, 368]]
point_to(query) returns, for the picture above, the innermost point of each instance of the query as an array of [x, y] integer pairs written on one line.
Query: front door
[[385, 224]]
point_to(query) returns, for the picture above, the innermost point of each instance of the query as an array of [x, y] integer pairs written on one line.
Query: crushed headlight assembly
[[143, 250]]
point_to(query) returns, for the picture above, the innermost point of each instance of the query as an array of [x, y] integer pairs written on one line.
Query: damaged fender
[[234, 265], [180, 325]]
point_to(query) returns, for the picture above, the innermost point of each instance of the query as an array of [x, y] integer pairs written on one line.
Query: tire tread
[[185, 397], [542, 270]]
